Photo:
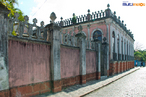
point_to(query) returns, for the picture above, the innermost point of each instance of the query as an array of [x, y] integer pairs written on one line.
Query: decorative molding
[[94, 31]]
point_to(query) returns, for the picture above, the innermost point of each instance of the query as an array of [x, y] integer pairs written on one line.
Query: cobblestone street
[[132, 85]]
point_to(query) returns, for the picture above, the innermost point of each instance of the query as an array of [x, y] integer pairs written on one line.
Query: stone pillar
[[116, 50], [98, 71], [124, 47], [111, 45], [82, 44], [98, 55], [127, 49], [4, 79], [130, 51], [120, 52], [133, 50], [104, 58], [54, 31], [107, 26], [123, 50]]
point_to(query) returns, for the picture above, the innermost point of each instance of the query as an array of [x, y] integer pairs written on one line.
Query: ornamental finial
[[108, 6], [53, 17]]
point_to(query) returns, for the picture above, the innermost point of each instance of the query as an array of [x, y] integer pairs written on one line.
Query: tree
[[137, 55], [140, 55], [73, 19], [138, 46], [9, 4]]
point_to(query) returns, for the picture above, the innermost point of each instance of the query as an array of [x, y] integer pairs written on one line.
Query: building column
[[130, 51], [104, 58], [111, 44], [82, 44], [119, 57], [127, 50], [4, 78], [123, 49], [133, 50], [116, 49], [107, 33], [98, 70], [54, 31]]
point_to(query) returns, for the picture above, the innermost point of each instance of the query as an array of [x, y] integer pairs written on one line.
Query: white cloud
[[21, 3]]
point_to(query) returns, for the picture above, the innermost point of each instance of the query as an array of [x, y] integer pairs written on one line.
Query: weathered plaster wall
[[4, 84], [90, 62], [70, 62], [102, 27], [28, 63]]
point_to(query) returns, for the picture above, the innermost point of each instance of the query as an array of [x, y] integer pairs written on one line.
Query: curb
[[91, 88], [126, 73]]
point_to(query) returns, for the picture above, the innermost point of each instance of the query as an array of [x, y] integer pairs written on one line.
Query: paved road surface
[[132, 85]]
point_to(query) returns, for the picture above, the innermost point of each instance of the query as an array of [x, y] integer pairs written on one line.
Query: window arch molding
[[97, 29]]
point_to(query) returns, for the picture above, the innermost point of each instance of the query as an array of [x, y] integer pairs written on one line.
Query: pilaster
[[54, 31], [82, 45], [108, 47], [4, 79], [98, 60]]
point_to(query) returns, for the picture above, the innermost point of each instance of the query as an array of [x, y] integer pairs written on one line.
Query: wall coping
[[67, 46], [120, 61], [28, 40]]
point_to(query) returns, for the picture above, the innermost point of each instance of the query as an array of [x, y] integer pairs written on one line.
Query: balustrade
[[24, 29]]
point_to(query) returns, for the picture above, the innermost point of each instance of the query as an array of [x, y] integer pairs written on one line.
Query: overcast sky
[[134, 16]]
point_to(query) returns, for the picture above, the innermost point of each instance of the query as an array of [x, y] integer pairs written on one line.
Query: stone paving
[[89, 87], [132, 85]]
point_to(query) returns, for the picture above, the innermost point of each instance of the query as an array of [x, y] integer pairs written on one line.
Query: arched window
[[97, 34], [113, 41]]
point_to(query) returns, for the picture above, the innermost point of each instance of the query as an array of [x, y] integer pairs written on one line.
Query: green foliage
[[21, 17], [14, 33], [73, 19], [140, 55], [9, 4]]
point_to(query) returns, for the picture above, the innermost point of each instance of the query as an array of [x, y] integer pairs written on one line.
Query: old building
[[106, 24], [58, 55]]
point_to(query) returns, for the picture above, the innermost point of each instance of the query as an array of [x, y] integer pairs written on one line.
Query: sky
[[134, 16]]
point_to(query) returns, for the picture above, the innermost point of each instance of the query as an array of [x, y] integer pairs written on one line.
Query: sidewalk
[[81, 90]]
